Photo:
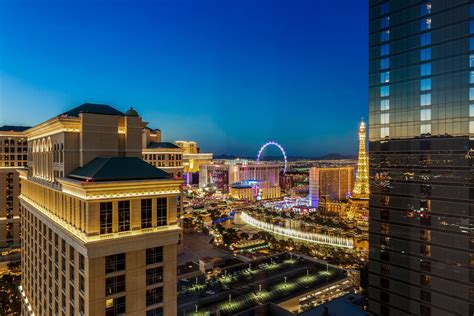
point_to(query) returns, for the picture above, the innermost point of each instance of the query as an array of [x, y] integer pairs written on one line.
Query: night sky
[[228, 74]]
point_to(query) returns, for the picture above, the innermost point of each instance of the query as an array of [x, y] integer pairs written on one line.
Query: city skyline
[[273, 68]]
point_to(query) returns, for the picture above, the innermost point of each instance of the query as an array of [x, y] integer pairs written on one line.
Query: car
[[210, 292]]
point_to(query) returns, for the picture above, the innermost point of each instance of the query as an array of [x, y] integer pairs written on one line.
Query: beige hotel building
[[99, 233], [13, 155]]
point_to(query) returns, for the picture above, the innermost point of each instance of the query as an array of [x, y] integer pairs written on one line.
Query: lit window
[[384, 91], [384, 104], [384, 132], [425, 24], [384, 63], [425, 115], [425, 84], [425, 129], [471, 94], [115, 306], [425, 99], [385, 36], [384, 50], [471, 76], [426, 8], [471, 110], [425, 39], [384, 8], [385, 22], [471, 127], [425, 54], [425, 69], [385, 77], [384, 118]]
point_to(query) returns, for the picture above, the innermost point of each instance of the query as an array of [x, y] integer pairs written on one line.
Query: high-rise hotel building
[[421, 89], [98, 224], [13, 155]]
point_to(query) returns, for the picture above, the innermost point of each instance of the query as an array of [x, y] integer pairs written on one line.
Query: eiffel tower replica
[[359, 199]]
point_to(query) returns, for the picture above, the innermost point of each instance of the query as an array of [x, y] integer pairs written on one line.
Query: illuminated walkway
[[337, 241]]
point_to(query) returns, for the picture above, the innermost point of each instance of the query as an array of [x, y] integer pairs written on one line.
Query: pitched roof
[[162, 145], [116, 169], [92, 108], [12, 128]]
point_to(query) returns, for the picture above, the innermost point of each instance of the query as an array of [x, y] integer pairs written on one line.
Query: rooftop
[[162, 145], [92, 108], [116, 169], [12, 128]]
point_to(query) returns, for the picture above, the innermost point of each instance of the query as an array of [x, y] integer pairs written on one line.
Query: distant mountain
[[331, 156]]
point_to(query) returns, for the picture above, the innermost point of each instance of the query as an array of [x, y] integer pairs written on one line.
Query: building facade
[[13, 156], [255, 190], [224, 174], [421, 76], [165, 156], [99, 232], [192, 160], [334, 184]]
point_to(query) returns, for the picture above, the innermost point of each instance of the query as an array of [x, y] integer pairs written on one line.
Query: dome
[[131, 112]]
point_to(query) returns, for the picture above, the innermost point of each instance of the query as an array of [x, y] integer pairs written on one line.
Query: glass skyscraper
[[421, 111]]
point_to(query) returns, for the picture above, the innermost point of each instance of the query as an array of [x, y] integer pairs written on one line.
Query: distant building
[[252, 190], [225, 174], [13, 155], [166, 156], [192, 160], [332, 183], [99, 230]]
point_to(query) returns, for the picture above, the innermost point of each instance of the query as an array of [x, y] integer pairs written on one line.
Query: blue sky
[[228, 74]]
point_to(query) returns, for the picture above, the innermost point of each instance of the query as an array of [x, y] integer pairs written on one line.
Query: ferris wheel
[[272, 143]]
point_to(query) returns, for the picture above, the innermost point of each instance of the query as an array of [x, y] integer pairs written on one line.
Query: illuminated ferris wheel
[[272, 143]]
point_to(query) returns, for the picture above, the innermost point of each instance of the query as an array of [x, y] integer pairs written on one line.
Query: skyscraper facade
[[421, 109], [99, 232], [330, 183]]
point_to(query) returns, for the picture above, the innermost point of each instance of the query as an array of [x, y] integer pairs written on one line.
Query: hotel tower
[[98, 224], [421, 108]]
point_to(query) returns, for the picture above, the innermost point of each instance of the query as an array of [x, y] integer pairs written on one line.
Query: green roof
[[13, 128], [117, 169], [92, 108], [162, 145]]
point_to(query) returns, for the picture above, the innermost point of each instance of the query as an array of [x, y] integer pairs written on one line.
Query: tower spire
[[361, 187]]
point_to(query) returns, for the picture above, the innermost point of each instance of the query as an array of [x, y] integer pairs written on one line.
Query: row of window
[[116, 263], [425, 70], [117, 283], [123, 214]]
